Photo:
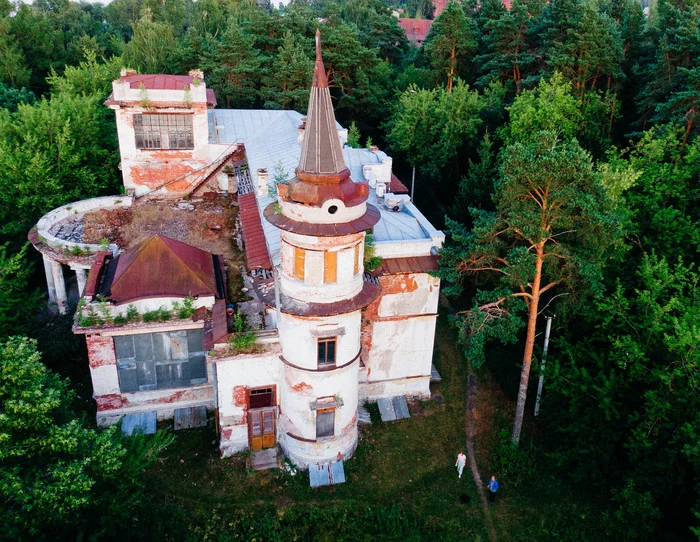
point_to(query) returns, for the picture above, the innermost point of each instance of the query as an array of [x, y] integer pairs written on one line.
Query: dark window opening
[[333, 209], [325, 422], [152, 361], [326, 351], [163, 131], [262, 398]]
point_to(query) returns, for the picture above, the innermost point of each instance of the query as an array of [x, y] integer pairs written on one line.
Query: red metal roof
[[416, 264], [161, 81], [396, 186], [160, 266], [416, 29], [253, 234]]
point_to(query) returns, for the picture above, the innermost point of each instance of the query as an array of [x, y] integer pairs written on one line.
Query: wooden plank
[[191, 417], [386, 409], [141, 422], [319, 475], [400, 407], [337, 473]]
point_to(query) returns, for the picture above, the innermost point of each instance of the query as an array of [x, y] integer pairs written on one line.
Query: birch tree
[[553, 222]]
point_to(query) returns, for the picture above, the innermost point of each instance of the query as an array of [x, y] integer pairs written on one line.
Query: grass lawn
[[401, 482]]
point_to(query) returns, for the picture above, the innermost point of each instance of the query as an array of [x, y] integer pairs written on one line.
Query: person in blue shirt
[[493, 487]]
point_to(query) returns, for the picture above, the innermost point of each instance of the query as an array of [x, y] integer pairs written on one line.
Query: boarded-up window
[[150, 361], [299, 261], [330, 265], [356, 269], [326, 351], [154, 131], [325, 422]]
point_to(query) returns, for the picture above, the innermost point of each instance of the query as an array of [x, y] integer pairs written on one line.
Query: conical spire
[[321, 152]]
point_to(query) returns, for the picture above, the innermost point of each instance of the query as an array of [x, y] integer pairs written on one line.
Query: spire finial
[[318, 44]]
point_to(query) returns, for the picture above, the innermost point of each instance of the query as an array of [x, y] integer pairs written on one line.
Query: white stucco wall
[[313, 288]]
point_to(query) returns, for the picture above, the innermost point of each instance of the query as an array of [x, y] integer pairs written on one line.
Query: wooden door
[[262, 428]]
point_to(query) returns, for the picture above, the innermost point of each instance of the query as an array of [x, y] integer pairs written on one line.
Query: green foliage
[[185, 309], [152, 47], [18, 301], [244, 342], [51, 153], [161, 314], [451, 42], [429, 126], [353, 136], [628, 381], [132, 314], [56, 474], [11, 97], [370, 262]]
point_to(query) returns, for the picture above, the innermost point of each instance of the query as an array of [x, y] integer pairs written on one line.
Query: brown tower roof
[[321, 152], [322, 174]]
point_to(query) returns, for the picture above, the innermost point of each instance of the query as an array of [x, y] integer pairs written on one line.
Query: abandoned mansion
[[257, 266]]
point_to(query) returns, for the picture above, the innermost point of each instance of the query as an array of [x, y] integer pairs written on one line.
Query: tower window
[[330, 266], [163, 131], [326, 351], [299, 262], [356, 268]]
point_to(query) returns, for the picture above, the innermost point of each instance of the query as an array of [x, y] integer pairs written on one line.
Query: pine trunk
[[533, 307]]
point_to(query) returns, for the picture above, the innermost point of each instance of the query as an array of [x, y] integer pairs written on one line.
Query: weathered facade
[[331, 334]]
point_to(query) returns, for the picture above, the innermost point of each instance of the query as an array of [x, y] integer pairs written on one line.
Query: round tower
[[323, 216]]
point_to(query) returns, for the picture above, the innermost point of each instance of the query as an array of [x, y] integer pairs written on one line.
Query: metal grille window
[[151, 361], [326, 351], [163, 131], [325, 422]]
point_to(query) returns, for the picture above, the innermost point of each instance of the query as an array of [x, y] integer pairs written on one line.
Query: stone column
[[81, 276], [59, 282], [51, 287]]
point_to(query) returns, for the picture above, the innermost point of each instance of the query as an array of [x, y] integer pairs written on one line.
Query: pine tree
[[451, 42]]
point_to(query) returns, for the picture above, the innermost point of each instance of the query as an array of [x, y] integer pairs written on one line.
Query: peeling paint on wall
[[112, 401], [100, 351]]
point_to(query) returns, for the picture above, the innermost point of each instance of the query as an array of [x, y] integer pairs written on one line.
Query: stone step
[[434, 375], [264, 459]]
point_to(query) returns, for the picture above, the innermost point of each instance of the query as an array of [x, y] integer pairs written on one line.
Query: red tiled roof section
[[396, 186], [415, 264], [161, 81], [160, 266], [416, 29], [253, 234]]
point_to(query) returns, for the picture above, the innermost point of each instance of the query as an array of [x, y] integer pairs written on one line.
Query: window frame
[[164, 131], [147, 366], [323, 342]]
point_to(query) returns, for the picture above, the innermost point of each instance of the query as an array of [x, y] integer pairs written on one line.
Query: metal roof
[[161, 81], [160, 267]]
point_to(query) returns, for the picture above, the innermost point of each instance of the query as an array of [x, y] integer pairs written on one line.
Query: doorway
[[262, 415]]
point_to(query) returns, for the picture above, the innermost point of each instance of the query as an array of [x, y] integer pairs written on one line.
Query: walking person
[[493, 487], [461, 461]]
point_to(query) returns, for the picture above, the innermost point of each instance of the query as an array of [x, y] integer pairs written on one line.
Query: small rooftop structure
[[416, 29], [157, 267]]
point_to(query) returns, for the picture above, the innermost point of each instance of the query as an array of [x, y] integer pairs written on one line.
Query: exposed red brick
[[240, 396], [100, 351], [153, 176], [302, 387], [110, 401], [226, 434]]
